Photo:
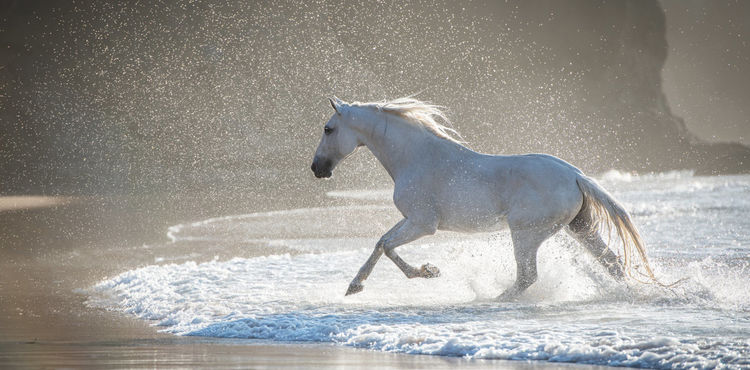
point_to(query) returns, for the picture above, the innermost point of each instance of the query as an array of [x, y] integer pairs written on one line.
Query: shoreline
[[53, 248]]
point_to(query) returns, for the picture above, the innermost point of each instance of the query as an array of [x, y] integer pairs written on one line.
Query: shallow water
[[695, 227]]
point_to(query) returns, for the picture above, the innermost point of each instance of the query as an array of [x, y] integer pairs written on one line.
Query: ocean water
[[695, 227]]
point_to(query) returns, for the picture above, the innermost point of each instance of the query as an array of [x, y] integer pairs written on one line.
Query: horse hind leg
[[580, 229], [525, 246]]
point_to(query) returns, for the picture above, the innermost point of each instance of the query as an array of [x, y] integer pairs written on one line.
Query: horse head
[[339, 140]]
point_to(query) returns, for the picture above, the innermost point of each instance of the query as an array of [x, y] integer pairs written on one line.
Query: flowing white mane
[[417, 112]]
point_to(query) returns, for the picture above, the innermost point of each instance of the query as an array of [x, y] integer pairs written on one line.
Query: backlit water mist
[[196, 96]]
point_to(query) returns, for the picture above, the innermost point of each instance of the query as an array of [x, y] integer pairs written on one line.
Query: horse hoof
[[510, 295], [429, 271], [354, 289]]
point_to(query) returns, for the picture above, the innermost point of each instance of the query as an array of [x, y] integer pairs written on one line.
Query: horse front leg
[[409, 232], [356, 285], [404, 232]]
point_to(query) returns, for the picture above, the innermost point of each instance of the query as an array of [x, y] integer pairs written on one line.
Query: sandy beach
[[52, 248]]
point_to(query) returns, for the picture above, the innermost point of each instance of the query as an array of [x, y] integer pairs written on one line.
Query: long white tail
[[607, 212]]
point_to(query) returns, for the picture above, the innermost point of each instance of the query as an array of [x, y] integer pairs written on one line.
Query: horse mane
[[419, 113]]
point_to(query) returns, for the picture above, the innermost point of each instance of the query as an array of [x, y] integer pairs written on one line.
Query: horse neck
[[398, 144]]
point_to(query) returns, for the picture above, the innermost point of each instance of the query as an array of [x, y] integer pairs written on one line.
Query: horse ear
[[335, 104]]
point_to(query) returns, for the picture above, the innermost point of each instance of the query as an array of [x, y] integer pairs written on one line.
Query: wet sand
[[52, 247]]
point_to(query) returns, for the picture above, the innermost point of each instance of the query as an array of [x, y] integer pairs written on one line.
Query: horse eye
[[327, 130]]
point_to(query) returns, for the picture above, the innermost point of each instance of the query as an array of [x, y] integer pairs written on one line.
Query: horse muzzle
[[322, 167]]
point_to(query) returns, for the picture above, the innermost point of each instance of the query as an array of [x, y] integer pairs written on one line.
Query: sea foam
[[574, 313]]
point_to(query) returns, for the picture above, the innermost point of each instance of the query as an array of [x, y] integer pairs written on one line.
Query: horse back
[[538, 188]]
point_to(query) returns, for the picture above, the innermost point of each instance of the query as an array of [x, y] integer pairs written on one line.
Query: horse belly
[[472, 216]]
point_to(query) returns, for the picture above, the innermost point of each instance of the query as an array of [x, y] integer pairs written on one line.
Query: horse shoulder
[[413, 196]]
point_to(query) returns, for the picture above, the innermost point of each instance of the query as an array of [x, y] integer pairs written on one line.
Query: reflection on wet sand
[[20, 202]]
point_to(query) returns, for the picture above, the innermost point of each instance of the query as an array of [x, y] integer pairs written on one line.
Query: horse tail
[[604, 211]]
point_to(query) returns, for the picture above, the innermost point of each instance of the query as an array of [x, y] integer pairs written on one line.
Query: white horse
[[442, 185]]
